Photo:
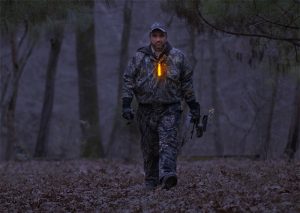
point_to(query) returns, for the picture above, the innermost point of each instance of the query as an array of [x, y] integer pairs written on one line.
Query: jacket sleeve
[[128, 79], [187, 81]]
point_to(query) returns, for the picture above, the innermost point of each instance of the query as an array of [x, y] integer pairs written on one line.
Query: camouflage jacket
[[141, 80]]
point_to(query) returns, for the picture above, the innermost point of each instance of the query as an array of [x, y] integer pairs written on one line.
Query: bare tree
[[294, 139], [20, 53], [55, 46], [273, 24], [270, 116], [15, 16], [118, 124], [245, 18], [87, 81]]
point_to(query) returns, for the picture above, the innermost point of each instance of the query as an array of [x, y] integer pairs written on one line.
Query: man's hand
[[195, 111], [128, 114]]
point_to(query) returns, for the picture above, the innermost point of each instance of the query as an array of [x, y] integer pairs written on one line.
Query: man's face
[[158, 39]]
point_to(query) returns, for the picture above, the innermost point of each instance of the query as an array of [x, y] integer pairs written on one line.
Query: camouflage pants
[[159, 129]]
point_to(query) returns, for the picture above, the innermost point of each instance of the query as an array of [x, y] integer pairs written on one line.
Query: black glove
[[127, 112], [195, 111]]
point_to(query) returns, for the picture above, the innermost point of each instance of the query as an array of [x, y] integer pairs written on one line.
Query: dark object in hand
[[195, 111], [200, 127], [128, 114]]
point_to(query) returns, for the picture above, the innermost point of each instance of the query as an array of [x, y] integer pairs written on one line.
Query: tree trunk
[[294, 139], [9, 113], [118, 125], [55, 46], [9, 95], [10, 125], [88, 94], [266, 146], [219, 149]]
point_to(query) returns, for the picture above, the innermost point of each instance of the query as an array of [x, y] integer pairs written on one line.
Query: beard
[[158, 46]]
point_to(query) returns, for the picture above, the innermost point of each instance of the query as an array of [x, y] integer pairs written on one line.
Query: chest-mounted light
[[161, 70]]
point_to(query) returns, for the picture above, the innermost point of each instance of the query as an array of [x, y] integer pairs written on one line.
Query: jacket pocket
[[173, 82]]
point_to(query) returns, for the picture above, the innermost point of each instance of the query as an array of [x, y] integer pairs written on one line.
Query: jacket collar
[[148, 51]]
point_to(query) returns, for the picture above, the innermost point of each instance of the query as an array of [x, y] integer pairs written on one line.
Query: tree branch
[[5, 82], [24, 35], [283, 14], [278, 24], [25, 58], [285, 11], [289, 39]]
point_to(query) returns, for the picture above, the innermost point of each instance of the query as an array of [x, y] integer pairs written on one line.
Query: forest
[[66, 147]]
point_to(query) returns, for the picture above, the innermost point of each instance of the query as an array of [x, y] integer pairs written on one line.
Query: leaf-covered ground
[[111, 186]]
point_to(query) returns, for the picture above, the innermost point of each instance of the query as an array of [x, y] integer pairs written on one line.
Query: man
[[159, 77]]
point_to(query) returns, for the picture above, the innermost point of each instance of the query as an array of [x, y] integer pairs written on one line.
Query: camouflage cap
[[158, 26]]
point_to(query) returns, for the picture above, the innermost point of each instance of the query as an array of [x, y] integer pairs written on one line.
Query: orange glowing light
[[159, 74]]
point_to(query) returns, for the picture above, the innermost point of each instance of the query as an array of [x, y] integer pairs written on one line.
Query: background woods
[[62, 63]]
